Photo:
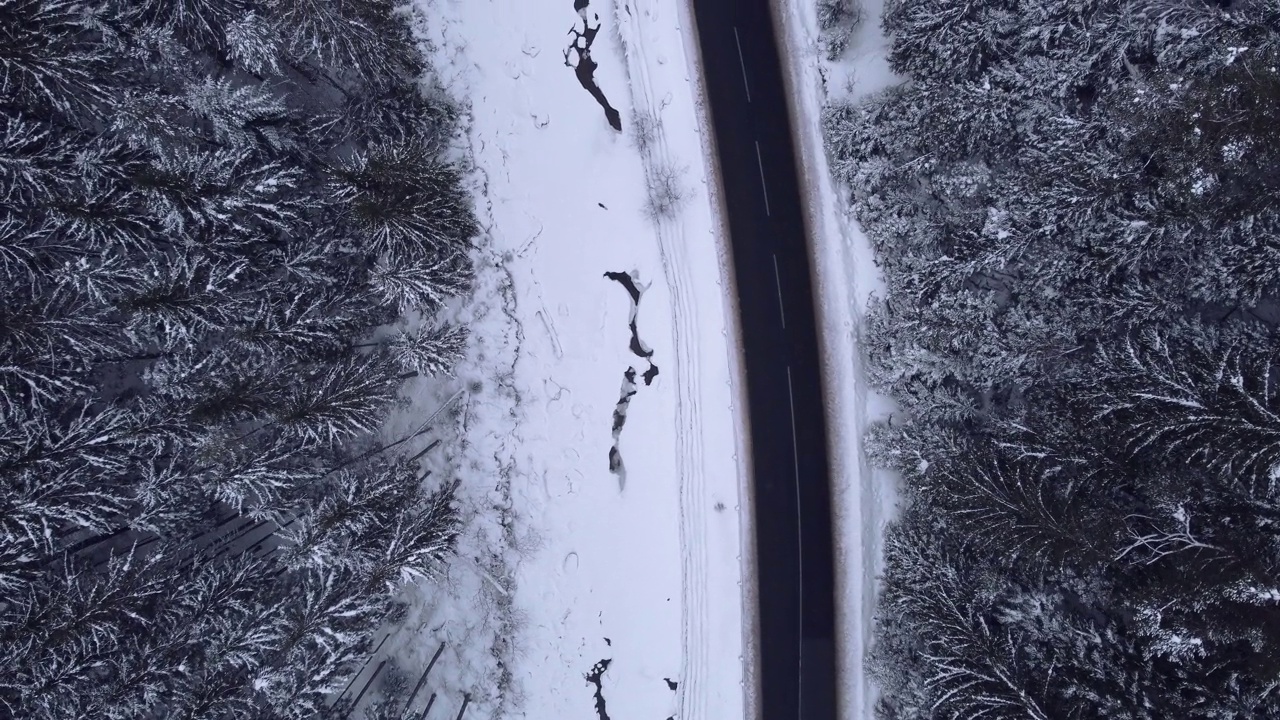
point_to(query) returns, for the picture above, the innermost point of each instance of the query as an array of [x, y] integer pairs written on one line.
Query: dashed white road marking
[[777, 280], [795, 459], [763, 186], [742, 61]]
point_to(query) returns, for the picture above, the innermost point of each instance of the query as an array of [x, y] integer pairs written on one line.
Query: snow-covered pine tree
[[357, 37], [346, 398], [326, 614], [200, 23], [48, 57], [191, 346], [239, 116], [403, 200], [1191, 393], [414, 547], [971, 665], [1064, 198], [428, 351], [255, 43], [421, 285], [1034, 512]]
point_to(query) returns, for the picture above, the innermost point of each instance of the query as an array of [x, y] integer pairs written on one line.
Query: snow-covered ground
[[846, 278], [598, 439]]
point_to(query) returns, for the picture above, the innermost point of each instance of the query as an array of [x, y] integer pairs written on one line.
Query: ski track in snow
[[672, 242]]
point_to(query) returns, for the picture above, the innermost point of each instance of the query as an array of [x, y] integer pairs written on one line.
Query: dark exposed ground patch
[[671, 684], [637, 346], [624, 399], [594, 678], [628, 282], [585, 67], [629, 387], [619, 419], [650, 374]]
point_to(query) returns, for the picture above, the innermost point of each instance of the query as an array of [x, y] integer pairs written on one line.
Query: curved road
[[796, 586]]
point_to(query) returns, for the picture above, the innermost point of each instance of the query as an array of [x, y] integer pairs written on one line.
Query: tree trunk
[[422, 680]]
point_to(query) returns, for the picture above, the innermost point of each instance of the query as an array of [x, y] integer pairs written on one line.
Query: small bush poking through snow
[[666, 191], [644, 130]]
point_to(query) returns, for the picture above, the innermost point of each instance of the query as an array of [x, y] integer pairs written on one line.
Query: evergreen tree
[[1074, 205], [201, 335]]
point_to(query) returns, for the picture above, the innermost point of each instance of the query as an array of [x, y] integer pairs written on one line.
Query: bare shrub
[[644, 130], [666, 191]]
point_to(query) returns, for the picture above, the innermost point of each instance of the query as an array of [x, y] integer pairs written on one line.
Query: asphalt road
[[784, 385]]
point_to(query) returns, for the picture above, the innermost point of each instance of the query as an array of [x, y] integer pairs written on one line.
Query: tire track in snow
[[693, 517]]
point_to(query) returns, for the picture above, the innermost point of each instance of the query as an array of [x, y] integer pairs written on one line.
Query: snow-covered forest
[[1075, 208], [226, 227]]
